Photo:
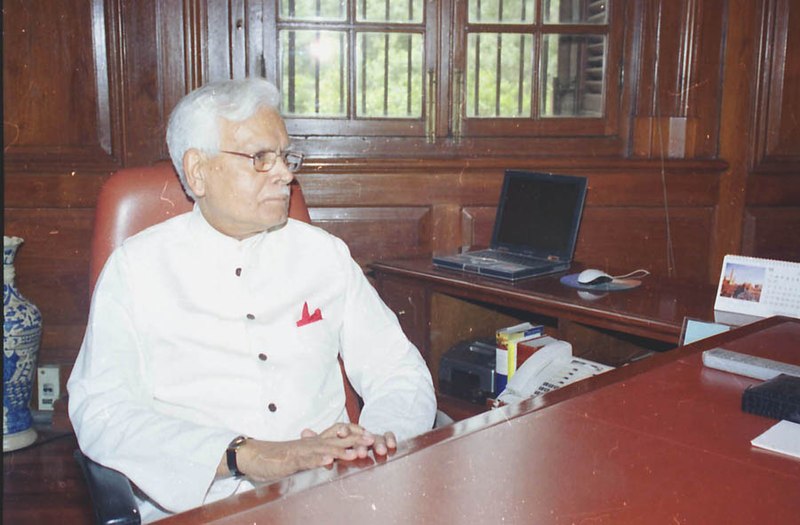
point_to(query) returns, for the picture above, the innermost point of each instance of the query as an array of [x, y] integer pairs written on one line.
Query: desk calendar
[[758, 287]]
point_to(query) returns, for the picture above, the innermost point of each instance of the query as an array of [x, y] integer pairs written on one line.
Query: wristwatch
[[230, 455]]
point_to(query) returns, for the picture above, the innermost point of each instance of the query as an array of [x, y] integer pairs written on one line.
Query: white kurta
[[195, 337]]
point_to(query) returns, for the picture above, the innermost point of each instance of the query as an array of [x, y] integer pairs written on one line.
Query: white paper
[[784, 438]]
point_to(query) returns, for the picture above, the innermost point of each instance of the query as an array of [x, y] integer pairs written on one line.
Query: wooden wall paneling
[[216, 59], [52, 271], [56, 87], [777, 143], [736, 125], [610, 240], [410, 303], [677, 107], [378, 233], [77, 188], [446, 228], [239, 30], [772, 232], [477, 224], [153, 75], [349, 182], [773, 191]]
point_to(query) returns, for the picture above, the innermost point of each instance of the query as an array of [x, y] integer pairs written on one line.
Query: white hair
[[194, 123]]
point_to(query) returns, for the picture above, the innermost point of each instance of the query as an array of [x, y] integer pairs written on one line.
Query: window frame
[[349, 125], [573, 126], [437, 132]]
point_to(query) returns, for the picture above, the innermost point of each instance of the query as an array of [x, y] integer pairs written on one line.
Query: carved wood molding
[[86, 128], [776, 147], [336, 165]]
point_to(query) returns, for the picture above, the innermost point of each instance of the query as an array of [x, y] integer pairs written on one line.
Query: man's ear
[[193, 161]]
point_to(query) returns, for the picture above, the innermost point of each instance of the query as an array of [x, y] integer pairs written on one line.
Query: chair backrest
[[134, 198]]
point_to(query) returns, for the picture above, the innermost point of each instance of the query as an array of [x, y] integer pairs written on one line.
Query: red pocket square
[[307, 318]]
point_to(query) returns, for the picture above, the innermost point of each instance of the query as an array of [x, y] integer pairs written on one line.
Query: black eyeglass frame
[[292, 159]]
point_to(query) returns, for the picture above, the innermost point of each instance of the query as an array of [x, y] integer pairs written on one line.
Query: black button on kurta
[[238, 272], [272, 407], [263, 357], [251, 316]]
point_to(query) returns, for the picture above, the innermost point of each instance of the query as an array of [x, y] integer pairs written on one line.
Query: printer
[[466, 370]]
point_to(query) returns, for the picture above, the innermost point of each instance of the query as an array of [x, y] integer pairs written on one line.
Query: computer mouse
[[593, 276]]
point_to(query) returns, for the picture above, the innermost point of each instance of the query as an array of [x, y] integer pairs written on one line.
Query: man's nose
[[281, 172]]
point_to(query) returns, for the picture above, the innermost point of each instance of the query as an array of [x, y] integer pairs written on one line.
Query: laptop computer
[[535, 229]]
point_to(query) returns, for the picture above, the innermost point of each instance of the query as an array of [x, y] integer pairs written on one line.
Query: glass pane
[[498, 80], [396, 11], [313, 72], [572, 75], [501, 11], [389, 75], [313, 10], [575, 11]]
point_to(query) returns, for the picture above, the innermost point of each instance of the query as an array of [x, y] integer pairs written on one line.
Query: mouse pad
[[571, 280]]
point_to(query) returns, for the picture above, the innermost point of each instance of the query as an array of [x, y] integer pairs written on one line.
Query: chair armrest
[[111, 493]]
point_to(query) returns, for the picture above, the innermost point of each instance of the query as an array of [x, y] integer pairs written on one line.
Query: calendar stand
[[751, 288]]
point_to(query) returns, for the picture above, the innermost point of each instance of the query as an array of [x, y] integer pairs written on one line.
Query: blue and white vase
[[22, 331]]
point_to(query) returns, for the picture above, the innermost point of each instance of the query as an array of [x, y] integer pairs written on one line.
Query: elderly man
[[210, 357]]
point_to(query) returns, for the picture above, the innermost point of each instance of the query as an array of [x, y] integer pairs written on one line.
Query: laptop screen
[[539, 214]]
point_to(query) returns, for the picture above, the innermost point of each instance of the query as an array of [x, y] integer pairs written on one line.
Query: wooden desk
[[660, 441], [437, 308]]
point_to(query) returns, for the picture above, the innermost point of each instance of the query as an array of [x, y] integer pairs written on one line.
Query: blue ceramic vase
[[22, 331]]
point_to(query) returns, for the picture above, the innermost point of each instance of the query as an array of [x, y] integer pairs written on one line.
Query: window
[[354, 67], [504, 68], [534, 66]]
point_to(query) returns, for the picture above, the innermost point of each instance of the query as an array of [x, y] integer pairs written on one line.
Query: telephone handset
[[549, 368], [535, 371]]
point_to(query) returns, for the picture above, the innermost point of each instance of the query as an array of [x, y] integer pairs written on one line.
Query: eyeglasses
[[263, 161]]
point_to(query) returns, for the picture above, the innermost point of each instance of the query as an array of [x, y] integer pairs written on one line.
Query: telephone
[[549, 368]]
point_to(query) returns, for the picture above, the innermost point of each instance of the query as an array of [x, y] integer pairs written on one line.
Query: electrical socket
[[49, 386]]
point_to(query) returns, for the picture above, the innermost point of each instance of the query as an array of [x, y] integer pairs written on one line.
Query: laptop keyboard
[[518, 259]]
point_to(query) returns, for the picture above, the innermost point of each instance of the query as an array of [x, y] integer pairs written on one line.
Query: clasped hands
[[270, 460]]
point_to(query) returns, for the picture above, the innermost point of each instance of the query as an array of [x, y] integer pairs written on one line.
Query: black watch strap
[[230, 456]]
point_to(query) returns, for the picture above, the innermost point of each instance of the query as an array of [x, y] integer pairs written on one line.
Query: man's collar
[[201, 227]]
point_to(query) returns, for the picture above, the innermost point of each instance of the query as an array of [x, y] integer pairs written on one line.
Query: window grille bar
[[363, 75], [316, 78], [342, 70], [477, 80], [409, 62], [291, 73], [385, 75], [363, 93], [386, 14], [317, 12], [521, 76], [498, 72], [498, 63], [409, 77]]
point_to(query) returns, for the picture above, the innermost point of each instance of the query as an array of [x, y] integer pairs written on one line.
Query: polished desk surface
[[662, 440], [655, 310]]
